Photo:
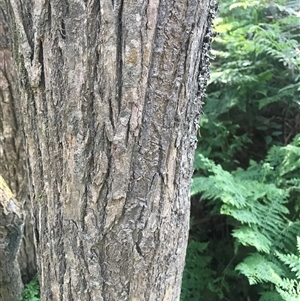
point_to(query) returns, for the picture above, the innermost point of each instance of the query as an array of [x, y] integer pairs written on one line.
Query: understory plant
[[253, 95], [261, 226], [31, 291], [245, 227]]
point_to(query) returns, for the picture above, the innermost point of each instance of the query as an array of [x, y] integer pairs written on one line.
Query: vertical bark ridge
[[12, 156]]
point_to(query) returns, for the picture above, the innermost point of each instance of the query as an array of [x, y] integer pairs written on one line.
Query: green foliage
[[247, 164], [257, 202], [254, 89], [258, 269], [197, 275], [31, 291], [292, 260]]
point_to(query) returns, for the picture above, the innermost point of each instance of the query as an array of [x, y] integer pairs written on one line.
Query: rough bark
[[111, 95], [11, 227], [12, 156]]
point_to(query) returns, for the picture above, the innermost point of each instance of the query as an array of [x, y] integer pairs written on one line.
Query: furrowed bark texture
[[110, 102], [12, 156], [11, 228]]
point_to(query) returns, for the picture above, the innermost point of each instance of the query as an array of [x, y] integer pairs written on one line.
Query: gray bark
[[12, 156], [11, 227], [110, 97]]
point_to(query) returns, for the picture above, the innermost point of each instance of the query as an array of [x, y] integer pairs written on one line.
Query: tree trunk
[[12, 156], [111, 94], [11, 227]]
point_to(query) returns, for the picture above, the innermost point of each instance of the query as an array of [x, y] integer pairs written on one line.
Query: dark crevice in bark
[[63, 29], [137, 245], [36, 231], [162, 197], [111, 113], [119, 69], [103, 193], [127, 135], [83, 207], [41, 61], [186, 49]]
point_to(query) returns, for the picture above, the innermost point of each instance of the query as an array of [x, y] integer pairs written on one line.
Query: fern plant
[[197, 275], [253, 95], [260, 207], [289, 289], [259, 269], [248, 173]]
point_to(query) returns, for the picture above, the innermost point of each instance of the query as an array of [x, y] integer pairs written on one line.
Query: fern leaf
[[252, 237], [289, 290], [258, 269], [292, 261]]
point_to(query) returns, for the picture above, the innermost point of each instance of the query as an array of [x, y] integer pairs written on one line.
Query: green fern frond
[[285, 241], [292, 261], [285, 162], [258, 269], [289, 289], [263, 102], [204, 186], [203, 163], [248, 236], [244, 215]]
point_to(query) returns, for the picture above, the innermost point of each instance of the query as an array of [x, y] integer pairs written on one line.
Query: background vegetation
[[245, 227]]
